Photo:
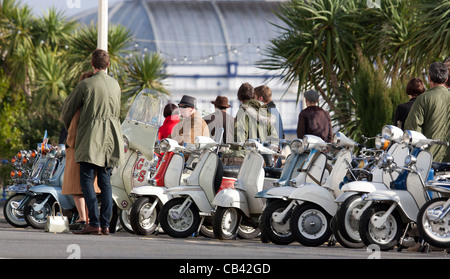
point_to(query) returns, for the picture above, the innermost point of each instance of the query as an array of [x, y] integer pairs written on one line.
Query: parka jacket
[[253, 120], [99, 135], [430, 115]]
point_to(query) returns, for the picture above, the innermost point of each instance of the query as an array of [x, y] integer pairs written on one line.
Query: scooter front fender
[[407, 206], [232, 198], [344, 196], [66, 201], [196, 193], [319, 195], [155, 191]]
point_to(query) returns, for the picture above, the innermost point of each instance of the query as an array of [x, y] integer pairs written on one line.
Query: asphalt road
[[28, 243]]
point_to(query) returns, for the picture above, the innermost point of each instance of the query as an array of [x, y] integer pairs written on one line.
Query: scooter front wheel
[[276, 232], [179, 226], [435, 232], [13, 215], [310, 224], [386, 236], [226, 222], [143, 219], [37, 218]]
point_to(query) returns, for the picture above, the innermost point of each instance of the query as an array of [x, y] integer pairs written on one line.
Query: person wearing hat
[[191, 124], [314, 120], [220, 119]]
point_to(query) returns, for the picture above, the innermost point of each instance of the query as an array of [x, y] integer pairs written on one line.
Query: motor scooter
[[184, 215], [390, 214], [314, 167], [140, 129], [48, 190], [345, 223], [238, 205], [433, 220], [151, 197], [313, 204]]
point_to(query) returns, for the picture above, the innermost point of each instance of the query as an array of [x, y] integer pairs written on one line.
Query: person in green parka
[[430, 113], [99, 145]]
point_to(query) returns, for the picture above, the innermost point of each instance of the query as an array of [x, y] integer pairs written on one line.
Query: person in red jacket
[[172, 118]]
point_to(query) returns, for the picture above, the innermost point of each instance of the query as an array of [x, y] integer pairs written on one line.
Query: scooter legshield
[[232, 198], [316, 194]]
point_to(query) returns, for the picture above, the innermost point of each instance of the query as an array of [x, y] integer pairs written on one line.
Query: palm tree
[[145, 71], [317, 48], [84, 42]]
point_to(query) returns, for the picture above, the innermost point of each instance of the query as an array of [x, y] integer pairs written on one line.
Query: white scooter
[[238, 205], [150, 198], [388, 211], [345, 223], [184, 215], [140, 129], [314, 203], [274, 220]]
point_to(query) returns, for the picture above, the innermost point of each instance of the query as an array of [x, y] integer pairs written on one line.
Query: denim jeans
[[87, 176]]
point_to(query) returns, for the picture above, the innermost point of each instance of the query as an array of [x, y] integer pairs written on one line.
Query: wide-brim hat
[[221, 102], [187, 101]]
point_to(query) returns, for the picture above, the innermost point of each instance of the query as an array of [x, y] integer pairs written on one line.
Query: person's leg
[[104, 183], [87, 174], [81, 208]]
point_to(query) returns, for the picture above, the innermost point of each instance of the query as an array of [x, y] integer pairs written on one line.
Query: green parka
[[430, 115], [99, 135]]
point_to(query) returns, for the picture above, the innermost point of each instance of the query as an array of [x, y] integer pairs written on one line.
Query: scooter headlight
[[381, 143], [164, 145], [392, 133], [412, 137], [297, 146]]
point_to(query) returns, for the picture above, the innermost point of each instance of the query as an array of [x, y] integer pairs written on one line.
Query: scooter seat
[[231, 171], [440, 167], [272, 172]]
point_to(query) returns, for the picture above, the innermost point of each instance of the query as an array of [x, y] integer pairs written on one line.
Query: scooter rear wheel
[[142, 221], [182, 227]]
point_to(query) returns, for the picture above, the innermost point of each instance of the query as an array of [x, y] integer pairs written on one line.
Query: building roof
[[197, 32]]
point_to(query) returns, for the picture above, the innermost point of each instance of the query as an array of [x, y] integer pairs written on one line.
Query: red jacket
[[166, 128]]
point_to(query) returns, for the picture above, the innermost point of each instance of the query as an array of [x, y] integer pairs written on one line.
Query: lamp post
[[102, 40]]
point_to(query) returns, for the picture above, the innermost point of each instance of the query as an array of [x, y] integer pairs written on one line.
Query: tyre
[[226, 222], [124, 218], [12, 214], [347, 225], [248, 232], [37, 218], [435, 233], [278, 233], [185, 225], [142, 220], [387, 236], [339, 238], [310, 224]]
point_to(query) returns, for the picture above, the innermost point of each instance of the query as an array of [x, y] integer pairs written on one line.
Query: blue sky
[[70, 7]]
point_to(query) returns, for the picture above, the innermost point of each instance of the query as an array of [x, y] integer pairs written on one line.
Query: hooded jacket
[[188, 128], [253, 120], [99, 135]]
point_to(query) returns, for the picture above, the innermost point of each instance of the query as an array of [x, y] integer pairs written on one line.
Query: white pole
[[102, 40]]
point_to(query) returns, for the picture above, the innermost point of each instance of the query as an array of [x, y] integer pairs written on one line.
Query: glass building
[[210, 47]]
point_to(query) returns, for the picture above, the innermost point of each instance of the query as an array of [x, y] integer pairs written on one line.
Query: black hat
[[187, 101]]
